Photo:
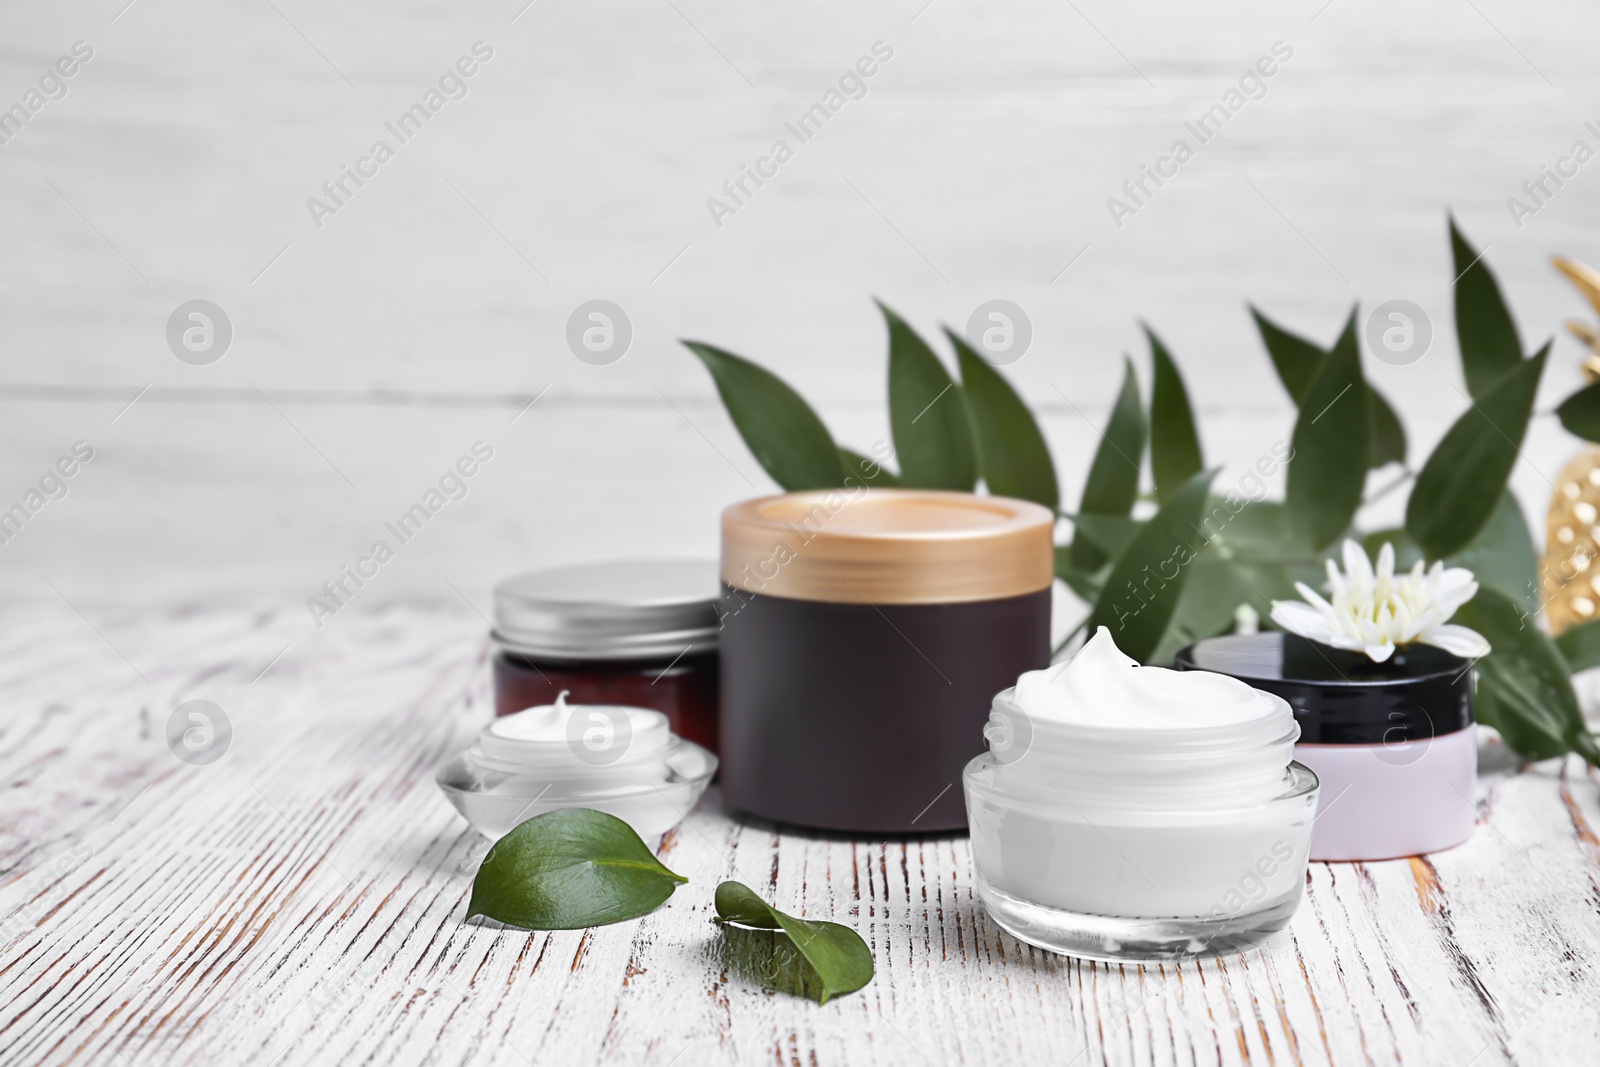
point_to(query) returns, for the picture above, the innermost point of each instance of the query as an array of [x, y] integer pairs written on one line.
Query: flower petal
[[1357, 567], [1302, 619], [1379, 653], [1336, 582], [1311, 598], [1461, 641], [1386, 562]]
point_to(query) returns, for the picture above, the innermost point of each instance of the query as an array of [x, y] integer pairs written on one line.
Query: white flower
[[1377, 612]]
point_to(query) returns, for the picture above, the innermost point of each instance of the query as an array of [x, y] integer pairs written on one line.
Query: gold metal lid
[[888, 546]]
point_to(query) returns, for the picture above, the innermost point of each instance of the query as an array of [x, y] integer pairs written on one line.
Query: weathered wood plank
[[302, 900]]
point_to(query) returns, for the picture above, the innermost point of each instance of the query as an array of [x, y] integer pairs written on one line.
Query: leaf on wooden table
[[837, 957], [569, 869], [1461, 484], [778, 426], [1012, 455], [1174, 443], [927, 415]]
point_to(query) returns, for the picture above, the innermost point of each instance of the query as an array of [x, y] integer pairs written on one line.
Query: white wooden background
[[409, 326], [193, 920]]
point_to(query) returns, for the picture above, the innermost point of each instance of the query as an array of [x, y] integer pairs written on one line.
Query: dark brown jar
[[864, 636], [639, 633]]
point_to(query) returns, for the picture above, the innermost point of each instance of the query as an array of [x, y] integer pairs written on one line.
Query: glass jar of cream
[[1138, 813], [623, 761], [640, 633]]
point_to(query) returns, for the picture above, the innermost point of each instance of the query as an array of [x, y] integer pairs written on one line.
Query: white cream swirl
[[1101, 687]]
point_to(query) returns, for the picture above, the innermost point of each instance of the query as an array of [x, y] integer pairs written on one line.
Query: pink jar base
[[1383, 802]]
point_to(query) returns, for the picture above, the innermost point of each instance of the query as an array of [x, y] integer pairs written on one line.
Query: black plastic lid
[[1343, 698]]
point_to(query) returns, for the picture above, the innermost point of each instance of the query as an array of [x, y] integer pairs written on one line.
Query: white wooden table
[[301, 900]]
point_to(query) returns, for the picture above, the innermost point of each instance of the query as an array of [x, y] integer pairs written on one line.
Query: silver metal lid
[[628, 609]]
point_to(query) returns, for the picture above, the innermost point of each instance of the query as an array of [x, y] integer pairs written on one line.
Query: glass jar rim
[[1243, 736]]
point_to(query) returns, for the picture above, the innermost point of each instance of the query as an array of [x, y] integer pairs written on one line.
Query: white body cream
[[1129, 812], [623, 761]]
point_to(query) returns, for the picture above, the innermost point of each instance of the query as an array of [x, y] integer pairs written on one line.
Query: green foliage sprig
[[1173, 577], [574, 868]]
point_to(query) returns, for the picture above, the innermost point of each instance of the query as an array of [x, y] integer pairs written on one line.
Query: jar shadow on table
[[808, 833], [971, 915], [1496, 757]]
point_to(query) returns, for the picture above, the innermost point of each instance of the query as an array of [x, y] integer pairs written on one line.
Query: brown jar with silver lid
[[864, 636], [636, 633]]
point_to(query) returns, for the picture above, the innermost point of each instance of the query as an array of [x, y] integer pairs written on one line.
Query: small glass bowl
[[650, 783]]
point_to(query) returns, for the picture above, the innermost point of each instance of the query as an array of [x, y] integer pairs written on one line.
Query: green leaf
[[1329, 469], [1113, 483], [1460, 486], [1259, 532], [1215, 589], [1580, 413], [1406, 552], [1504, 706], [870, 471], [1487, 336], [569, 869], [1293, 357], [1297, 360], [1580, 646], [1142, 591], [928, 415], [840, 959], [1386, 436], [1087, 584], [1248, 557], [1174, 444], [1502, 556], [778, 426], [1110, 534], [1012, 454], [1524, 685]]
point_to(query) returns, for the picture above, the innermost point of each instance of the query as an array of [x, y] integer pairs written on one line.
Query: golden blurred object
[[1568, 571], [1572, 544], [1587, 279]]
